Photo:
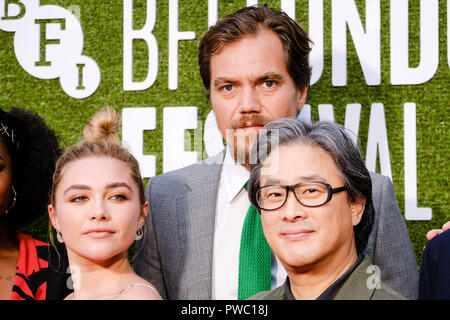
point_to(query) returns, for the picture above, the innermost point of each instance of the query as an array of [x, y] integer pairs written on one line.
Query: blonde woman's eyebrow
[[86, 187], [118, 184], [77, 187]]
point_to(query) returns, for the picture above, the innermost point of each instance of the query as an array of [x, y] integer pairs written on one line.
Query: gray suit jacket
[[177, 252], [354, 288]]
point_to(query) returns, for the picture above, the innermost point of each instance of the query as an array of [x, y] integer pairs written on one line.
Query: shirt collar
[[332, 290], [234, 176]]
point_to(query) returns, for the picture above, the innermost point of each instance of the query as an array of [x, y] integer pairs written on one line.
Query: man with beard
[[204, 239]]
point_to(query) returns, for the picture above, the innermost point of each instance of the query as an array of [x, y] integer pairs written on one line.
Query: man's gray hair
[[337, 142]]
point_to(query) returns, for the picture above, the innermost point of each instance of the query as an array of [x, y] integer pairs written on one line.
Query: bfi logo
[[48, 44]]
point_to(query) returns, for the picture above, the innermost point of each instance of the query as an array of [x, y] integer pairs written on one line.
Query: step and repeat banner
[[379, 67]]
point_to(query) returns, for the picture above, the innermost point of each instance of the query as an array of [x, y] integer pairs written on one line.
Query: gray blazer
[[176, 253], [354, 288]]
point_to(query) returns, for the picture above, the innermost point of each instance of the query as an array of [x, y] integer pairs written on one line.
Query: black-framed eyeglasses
[[310, 194]]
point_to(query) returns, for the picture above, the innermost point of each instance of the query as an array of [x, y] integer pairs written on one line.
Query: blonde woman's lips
[[99, 232]]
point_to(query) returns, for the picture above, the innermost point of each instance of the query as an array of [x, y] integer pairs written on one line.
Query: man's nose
[[292, 209], [249, 101]]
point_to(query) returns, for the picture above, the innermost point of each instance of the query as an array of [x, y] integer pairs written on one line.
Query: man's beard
[[241, 141]]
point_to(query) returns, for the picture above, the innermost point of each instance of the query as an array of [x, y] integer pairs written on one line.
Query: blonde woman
[[98, 209]]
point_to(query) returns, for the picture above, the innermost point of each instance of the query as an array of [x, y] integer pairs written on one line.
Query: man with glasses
[[314, 195]]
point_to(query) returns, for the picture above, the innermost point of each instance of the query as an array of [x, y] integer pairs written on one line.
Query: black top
[[435, 272]]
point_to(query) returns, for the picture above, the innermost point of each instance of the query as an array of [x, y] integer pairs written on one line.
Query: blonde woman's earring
[[59, 237], [139, 234]]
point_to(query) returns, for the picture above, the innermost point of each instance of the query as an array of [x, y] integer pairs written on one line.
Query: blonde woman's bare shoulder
[[142, 290]]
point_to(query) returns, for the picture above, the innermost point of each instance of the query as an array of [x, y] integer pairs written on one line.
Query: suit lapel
[[357, 286], [197, 226]]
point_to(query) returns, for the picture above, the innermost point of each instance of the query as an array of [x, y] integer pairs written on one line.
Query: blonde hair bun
[[103, 127]]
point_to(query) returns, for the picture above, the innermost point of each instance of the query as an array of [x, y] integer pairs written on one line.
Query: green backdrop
[[102, 23]]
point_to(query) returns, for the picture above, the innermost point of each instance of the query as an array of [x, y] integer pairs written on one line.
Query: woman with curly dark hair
[[29, 269]]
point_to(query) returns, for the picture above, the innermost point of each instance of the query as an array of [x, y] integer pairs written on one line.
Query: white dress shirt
[[231, 210]]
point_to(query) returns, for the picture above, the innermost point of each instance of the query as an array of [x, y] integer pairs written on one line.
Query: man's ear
[[357, 209], [53, 217], [302, 98]]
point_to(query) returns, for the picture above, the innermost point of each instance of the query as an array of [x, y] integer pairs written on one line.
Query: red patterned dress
[[41, 272]]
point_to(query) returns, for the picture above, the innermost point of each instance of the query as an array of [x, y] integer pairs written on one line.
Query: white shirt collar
[[234, 176]]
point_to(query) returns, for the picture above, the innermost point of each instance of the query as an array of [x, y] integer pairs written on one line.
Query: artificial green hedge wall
[[102, 23]]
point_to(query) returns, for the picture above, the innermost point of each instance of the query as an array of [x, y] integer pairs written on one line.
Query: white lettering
[[326, 112], [373, 281], [377, 139], [316, 36], [212, 137], [48, 44], [288, 6], [194, 310], [130, 34], [212, 12], [367, 44], [412, 212], [401, 73], [80, 78], [352, 118], [134, 122], [174, 37], [305, 113], [12, 10], [176, 120]]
